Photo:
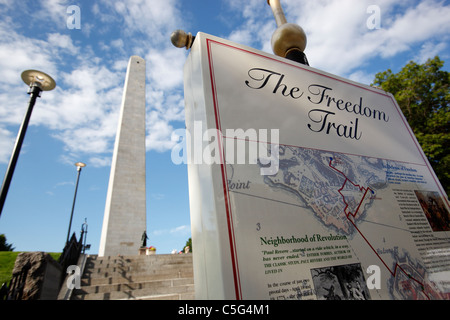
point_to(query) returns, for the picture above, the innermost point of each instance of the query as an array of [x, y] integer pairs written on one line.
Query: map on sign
[[340, 189], [324, 182], [344, 194]]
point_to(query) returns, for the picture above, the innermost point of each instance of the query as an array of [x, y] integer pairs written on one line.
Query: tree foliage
[[422, 92], [188, 243], [4, 246]]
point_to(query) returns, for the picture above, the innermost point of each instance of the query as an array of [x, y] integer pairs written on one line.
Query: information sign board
[[305, 185]]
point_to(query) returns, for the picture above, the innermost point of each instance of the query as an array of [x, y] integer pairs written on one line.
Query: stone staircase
[[152, 277]]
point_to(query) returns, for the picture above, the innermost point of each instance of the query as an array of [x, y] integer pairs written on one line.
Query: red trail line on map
[[347, 214]]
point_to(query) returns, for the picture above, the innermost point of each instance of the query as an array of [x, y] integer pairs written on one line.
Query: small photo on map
[[345, 282], [434, 209]]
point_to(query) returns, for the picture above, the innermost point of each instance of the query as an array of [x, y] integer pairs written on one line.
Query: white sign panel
[[305, 185]]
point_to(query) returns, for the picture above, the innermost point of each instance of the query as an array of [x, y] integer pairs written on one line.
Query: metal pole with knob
[[289, 39]]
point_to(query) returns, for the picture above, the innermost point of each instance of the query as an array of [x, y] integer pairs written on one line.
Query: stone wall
[[43, 278]]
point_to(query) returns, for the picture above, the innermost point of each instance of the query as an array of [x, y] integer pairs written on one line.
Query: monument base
[[143, 251]]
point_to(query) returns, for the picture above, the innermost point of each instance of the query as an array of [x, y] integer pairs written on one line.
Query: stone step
[[137, 285], [181, 296], [120, 279], [134, 263], [154, 258], [153, 277], [136, 270], [148, 290]]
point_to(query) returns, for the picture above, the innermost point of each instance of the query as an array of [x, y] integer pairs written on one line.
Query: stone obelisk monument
[[125, 211]]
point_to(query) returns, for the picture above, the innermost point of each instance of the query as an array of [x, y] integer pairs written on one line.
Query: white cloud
[[159, 134], [361, 77], [120, 65], [165, 68], [19, 53], [62, 41], [83, 109], [7, 3], [54, 10], [64, 183], [118, 44], [164, 96], [154, 19], [258, 27], [100, 161], [147, 26], [158, 196], [6, 145], [338, 38], [85, 115], [158, 232], [181, 230], [429, 50], [87, 28]]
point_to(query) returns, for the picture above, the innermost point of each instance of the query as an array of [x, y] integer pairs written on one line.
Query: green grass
[[7, 260]]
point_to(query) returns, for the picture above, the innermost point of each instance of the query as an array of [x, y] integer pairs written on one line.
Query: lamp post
[[79, 165], [38, 82]]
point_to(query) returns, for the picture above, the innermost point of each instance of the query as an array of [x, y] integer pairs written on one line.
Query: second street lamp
[[79, 166]]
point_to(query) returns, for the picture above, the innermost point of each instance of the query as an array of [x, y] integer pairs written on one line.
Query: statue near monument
[[144, 239]]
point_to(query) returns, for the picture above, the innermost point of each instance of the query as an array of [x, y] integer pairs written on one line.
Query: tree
[[3, 245], [188, 243], [422, 92]]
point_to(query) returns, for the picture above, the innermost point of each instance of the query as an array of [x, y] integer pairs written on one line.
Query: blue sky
[[77, 121]]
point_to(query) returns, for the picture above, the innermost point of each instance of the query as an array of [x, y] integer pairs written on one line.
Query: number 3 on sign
[[258, 226]]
